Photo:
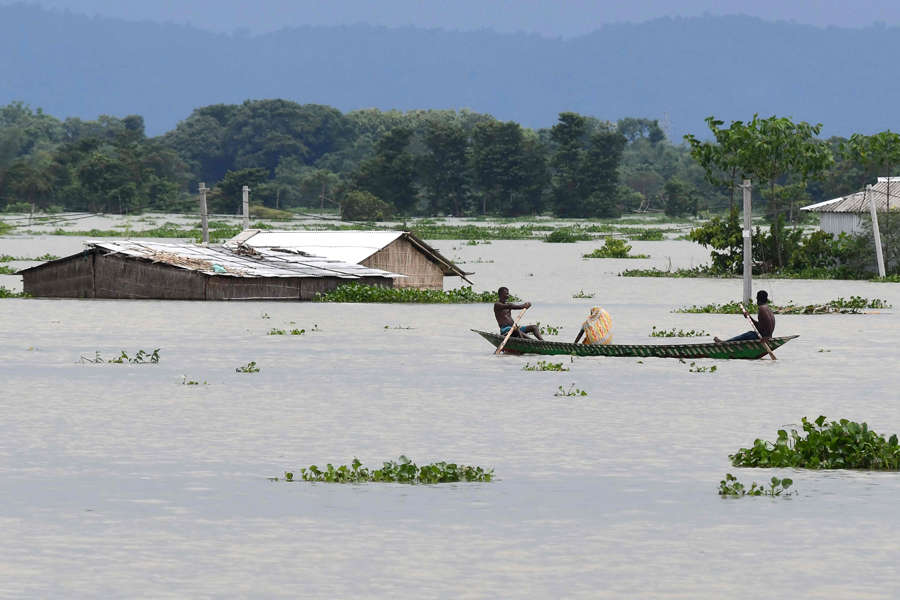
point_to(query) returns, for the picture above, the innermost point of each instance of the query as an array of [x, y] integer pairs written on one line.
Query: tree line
[[376, 164]]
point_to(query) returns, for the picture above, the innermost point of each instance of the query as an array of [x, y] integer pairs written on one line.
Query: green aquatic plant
[[853, 305], [567, 235], [732, 488], [8, 258], [397, 327], [356, 292], [648, 235], [140, 358], [549, 329], [677, 273], [827, 444], [543, 365], [614, 248], [677, 332], [4, 270], [695, 368], [571, 391], [477, 242], [403, 470], [250, 367], [582, 294], [186, 381]]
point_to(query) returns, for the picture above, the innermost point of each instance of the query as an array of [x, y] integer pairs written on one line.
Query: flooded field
[[119, 480]]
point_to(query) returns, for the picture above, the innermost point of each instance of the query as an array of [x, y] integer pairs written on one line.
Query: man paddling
[[764, 321], [503, 313]]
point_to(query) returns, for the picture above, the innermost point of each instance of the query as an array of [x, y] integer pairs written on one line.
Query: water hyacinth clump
[[250, 367], [839, 444], [677, 332], [614, 248], [543, 365], [403, 470], [853, 305], [141, 357], [730, 487], [356, 292]]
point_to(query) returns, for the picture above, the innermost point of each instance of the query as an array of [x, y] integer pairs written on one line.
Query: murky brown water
[[118, 480]]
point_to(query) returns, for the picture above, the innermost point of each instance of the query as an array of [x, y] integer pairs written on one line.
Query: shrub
[[359, 205], [566, 235], [614, 248]]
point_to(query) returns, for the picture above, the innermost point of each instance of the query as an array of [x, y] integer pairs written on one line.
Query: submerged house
[[395, 251], [847, 213], [166, 271]]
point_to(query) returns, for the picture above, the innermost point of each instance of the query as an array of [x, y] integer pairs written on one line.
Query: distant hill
[[679, 70]]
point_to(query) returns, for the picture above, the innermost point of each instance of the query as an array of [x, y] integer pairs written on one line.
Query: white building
[[845, 214]]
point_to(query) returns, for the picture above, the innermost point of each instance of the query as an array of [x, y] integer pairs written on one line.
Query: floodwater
[[120, 481]]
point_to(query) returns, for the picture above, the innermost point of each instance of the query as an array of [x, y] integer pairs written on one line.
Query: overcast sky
[[564, 18]]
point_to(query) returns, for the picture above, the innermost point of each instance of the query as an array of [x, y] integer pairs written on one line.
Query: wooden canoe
[[742, 349]]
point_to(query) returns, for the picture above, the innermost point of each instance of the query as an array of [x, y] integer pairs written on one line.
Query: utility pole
[[748, 247], [879, 257], [246, 206], [204, 216]]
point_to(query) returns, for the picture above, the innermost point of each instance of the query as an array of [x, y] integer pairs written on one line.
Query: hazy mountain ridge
[[685, 68]]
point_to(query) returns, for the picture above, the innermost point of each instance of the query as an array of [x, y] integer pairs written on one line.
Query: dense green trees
[[426, 162]]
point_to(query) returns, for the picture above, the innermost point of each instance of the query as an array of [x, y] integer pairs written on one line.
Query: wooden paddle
[[509, 333], [752, 324]]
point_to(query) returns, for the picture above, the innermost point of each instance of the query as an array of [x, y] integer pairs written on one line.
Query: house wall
[[838, 223], [117, 276], [72, 277], [400, 256]]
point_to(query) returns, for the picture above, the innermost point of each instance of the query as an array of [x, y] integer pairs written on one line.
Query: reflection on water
[[119, 478]]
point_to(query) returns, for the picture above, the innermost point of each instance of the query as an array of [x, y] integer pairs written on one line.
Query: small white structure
[[844, 214]]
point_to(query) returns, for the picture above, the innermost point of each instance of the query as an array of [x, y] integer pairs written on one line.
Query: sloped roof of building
[[239, 261], [857, 202], [348, 246]]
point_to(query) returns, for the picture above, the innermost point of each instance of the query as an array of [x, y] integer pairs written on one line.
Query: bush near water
[[357, 292], [827, 444]]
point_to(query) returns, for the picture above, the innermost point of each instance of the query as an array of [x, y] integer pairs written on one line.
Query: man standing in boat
[[503, 313], [764, 321]]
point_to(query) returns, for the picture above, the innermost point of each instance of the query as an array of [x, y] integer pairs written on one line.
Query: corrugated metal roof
[[857, 202], [240, 262], [348, 246]]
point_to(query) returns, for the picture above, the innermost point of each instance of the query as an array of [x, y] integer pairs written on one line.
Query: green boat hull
[[748, 349]]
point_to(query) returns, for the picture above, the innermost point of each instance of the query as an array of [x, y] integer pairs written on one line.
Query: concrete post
[[748, 246], [246, 205], [204, 215], [879, 257]]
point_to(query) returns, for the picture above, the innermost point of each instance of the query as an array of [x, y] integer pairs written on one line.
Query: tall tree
[[444, 167], [390, 174]]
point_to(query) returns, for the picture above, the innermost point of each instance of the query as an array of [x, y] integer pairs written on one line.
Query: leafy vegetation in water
[[397, 327], [732, 488], [582, 294], [186, 381], [403, 470], [543, 365], [571, 391], [648, 235], [677, 273], [549, 329], [217, 231], [4, 270], [140, 358], [477, 242], [614, 248], [294, 331], [695, 368], [356, 292], [567, 235], [667, 333], [839, 444], [250, 367], [853, 305]]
